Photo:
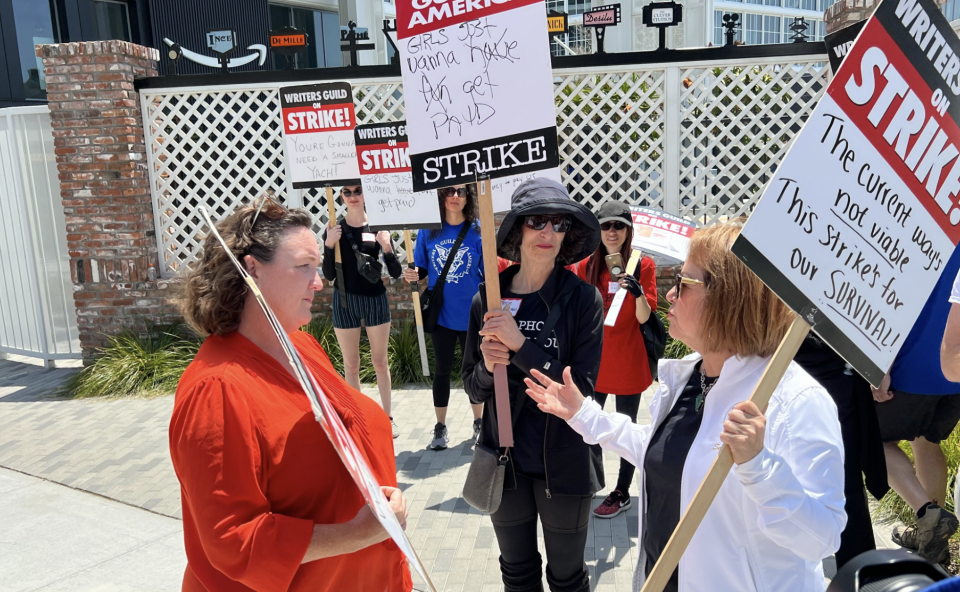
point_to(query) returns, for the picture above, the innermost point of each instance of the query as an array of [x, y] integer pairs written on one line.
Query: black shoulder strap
[[349, 235], [558, 305], [442, 278]]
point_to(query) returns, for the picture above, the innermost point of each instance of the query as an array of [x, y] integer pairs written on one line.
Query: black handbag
[[483, 488], [655, 340], [369, 268], [432, 299]]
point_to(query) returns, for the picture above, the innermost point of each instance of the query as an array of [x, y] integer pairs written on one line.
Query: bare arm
[[643, 310], [363, 530], [950, 347]]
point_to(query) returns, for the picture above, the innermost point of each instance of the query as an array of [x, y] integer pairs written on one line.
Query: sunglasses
[[689, 281], [263, 202], [558, 222], [451, 191], [347, 193], [615, 225]]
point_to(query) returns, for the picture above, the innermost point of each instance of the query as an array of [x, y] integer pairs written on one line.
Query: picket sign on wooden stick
[[670, 558], [415, 295], [491, 278], [621, 294]]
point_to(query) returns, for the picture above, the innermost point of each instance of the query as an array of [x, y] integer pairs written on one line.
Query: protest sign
[[502, 189], [859, 245], [664, 236], [621, 295], [478, 89], [839, 43], [318, 122], [384, 161]]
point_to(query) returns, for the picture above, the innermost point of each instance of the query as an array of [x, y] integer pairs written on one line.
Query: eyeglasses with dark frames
[[688, 281], [451, 191], [348, 193], [606, 226], [558, 222]]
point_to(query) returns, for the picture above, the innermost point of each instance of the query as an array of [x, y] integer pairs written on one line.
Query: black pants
[[564, 520], [444, 346], [628, 405]]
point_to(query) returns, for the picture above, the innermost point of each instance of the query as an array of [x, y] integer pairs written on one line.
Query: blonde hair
[[214, 292], [740, 313]]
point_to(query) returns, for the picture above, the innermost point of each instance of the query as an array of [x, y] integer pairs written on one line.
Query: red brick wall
[[98, 135]]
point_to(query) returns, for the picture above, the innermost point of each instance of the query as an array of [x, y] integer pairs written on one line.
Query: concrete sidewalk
[[54, 538]]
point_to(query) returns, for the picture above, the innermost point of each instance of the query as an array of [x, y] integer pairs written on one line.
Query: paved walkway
[[117, 449]]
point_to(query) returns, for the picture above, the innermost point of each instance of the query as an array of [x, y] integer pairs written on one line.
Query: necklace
[[704, 391]]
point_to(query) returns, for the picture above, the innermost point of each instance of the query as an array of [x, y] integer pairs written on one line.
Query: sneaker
[[476, 428], [615, 503], [933, 534], [440, 437], [395, 428], [905, 536]]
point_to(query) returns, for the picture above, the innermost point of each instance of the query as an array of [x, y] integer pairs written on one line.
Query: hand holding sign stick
[[621, 295], [491, 279], [328, 419]]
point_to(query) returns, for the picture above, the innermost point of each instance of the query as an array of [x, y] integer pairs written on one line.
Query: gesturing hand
[[562, 400], [743, 431], [630, 284]]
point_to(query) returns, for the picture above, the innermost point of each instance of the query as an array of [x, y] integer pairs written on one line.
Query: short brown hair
[[214, 291], [740, 313]]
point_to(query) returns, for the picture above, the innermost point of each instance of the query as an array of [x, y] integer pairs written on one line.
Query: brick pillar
[[99, 140]]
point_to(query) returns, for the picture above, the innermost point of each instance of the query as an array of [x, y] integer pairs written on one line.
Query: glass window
[[771, 29], [719, 31], [753, 29], [808, 4], [113, 19], [323, 36], [36, 24], [578, 38], [824, 4], [791, 3], [772, 2], [951, 10]]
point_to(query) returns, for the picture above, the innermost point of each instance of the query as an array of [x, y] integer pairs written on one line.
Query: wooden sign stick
[[621, 294], [415, 295], [332, 207], [701, 501], [491, 278]]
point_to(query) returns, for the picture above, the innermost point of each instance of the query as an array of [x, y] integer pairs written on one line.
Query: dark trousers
[[564, 520], [628, 405], [444, 346]]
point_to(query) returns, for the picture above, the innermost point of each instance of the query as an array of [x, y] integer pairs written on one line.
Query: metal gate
[[37, 312]]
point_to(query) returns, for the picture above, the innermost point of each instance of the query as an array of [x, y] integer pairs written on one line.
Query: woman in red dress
[[624, 368], [267, 503]]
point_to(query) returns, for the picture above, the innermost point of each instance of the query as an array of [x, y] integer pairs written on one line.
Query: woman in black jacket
[[551, 473]]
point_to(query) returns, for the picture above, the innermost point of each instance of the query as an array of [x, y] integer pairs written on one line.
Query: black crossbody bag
[[483, 488], [432, 299]]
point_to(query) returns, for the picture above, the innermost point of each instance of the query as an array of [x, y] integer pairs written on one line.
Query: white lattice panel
[[222, 146], [737, 122]]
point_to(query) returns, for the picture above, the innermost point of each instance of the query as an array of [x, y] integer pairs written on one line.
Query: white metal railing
[[37, 312], [698, 139]]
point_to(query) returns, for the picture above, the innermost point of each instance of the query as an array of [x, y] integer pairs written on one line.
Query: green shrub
[[134, 364], [892, 507], [676, 349]]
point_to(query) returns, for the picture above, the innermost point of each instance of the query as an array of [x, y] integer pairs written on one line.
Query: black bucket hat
[[546, 196]]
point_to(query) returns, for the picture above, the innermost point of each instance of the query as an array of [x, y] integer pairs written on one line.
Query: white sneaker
[[396, 429], [440, 437]]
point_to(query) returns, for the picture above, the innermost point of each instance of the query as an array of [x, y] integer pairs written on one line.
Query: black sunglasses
[[263, 202], [451, 191], [558, 222], [347, 193], [615, 225], [689, 281]]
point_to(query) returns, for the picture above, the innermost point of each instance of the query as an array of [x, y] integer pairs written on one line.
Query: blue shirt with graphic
[[916, 369], [464, 276]]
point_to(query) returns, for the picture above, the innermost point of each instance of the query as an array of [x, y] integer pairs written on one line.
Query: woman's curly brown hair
[[573, 241], [214, 292]]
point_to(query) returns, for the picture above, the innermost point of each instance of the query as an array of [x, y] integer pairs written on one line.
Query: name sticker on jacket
[[368, 237], [511, 304], [613, 287]]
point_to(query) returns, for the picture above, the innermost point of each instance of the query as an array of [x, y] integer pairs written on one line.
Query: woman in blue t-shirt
[[458, 206]]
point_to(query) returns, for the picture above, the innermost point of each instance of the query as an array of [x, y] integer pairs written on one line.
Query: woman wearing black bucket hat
[[551, 474]]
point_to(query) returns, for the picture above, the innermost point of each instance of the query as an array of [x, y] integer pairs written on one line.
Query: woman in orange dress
[[267, 503]]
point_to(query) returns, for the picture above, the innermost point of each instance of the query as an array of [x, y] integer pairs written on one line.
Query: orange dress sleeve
[[216, 451], [648, 281]]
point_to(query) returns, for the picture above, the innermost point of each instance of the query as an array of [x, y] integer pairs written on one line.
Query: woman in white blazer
[[780, 510]]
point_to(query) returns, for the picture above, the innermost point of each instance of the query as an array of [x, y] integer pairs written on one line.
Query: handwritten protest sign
[[664, 235], [858, 246], [318, 122], [478, 89], [384, 160], [502, 189]]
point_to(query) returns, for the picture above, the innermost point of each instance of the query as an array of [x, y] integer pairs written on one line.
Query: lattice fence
[[698, 140]]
